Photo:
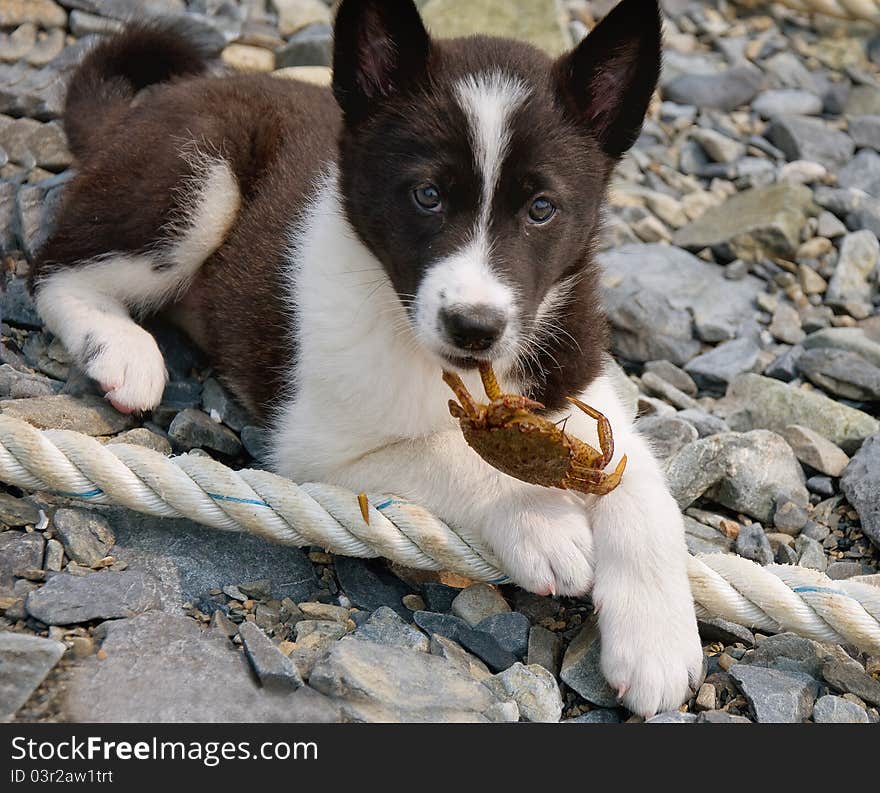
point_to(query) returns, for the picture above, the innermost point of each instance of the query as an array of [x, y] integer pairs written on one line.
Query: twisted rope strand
[[773, 598]]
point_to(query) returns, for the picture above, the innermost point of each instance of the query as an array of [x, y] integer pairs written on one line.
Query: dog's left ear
[[606, 82], [381, 48]]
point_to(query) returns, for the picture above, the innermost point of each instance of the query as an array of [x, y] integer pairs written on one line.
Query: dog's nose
[[473, 328]]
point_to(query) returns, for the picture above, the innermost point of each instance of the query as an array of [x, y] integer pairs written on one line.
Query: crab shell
[[524, 446]]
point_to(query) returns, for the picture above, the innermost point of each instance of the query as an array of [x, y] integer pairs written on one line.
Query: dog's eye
[[427, 197], [541, 210]]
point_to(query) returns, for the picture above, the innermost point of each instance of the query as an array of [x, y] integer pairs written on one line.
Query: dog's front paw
[[128, 366], [651, 651], [543, 542]]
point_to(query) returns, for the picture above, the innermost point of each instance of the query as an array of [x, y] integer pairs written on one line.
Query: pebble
[[667, 434], [17, 511], [86, 535], [726, 90], [90, 415], [752, 543], [860, 484], [275, 671], [18, 551], [836, 710], [453, 652], [533, 689], [810, 554], [848, 676], [544, 649], [786, 102], [69, 599], [247, 58], [478, 602], [859, 254], [776, 697], [714, 370], [805, 138], [510, 630], [25, 661], [845, 374], [386, 627], [581, 669], [815, 451], [193, 429]]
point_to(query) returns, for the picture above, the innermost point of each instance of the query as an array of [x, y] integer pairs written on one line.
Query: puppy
[[334, 251]]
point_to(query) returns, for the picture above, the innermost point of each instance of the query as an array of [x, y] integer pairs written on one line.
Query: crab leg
[[606, 437], [594, 480], [468, 403], [490, 383]]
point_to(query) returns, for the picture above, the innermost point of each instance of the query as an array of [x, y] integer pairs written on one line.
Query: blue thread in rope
[[824, 589], [89, 494], [236, 500]]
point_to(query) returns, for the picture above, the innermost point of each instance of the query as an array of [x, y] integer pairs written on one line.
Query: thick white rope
[[774, 598]]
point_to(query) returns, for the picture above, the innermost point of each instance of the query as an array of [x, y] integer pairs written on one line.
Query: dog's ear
[[380, 48], [607, 81]]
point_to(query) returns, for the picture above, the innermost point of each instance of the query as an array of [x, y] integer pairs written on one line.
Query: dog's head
[[474, 169]]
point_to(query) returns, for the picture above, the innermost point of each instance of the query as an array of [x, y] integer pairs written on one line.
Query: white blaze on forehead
[[489, 102]]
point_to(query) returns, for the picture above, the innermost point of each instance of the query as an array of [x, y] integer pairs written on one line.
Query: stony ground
[[742, 284]]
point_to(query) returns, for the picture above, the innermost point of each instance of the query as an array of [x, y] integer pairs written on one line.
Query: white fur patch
[[87, 306]]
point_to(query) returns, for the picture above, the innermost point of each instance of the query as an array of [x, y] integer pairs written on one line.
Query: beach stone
[[439, 597], [815, 451], [510, 630], [275, 670], [725, 90], [603, 716], [667, 434], [787, 102], [545, 649], [842, 373], [810, 554], [374, 682], [386, 627], [754, 402], [701, 538], [862, 172], [805, 138], [865, 131], [837, 710], [44, 13], [17, 511], [752, 543], [85, 534], [786, 325], [536, 21], [67, 599], [714, 370], [859, 254], [309, 46], [194, 429], [743, 471], [860, 484], [849, 339], [756, 222], [456, 654], [183, 674], [581, 670], [477, 602], [369, 586], [295, 15], [705, 423], [533, 689], [247, 58], [673, 375], [672, 717], [789, 652], [25, 661], [88, 414], [721, 717], [19, 551], [480, 643], [776, 697], [16, 305], [847, 676], [720, 148], [216, 398], [789, 517]]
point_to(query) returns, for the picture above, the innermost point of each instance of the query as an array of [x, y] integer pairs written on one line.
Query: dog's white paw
[[544, 543], [651, 651], [128, 366]]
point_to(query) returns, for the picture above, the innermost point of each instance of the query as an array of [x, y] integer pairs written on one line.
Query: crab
[[509, 436]]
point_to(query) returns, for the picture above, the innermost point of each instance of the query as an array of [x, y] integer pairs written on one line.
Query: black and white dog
[[334, 251]]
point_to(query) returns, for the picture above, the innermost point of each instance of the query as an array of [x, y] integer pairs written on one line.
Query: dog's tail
[[112, 73]]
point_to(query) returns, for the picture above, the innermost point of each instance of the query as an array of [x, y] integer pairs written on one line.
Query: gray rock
[[19, 551], [477, 602], [821, 486], [789, 652], [861, 486], [787, 102], [859, 254], [480, 643], [85, 534], [25, 661], [193, 429], [743, 471], [456, 654], [656, 293], [720, 148], [723, 91], [673, 375], [386, 627], [719, 630], [545, 649], [840, 571], [653, 384], [755, 402], [672, 717], [714, 370], [17, 511], [581, 669], [275, 670], [161, 668], [69, 599], [369, 586], [439, 597], [789, 518], [756, 222], [862, 172], [721, 717], [815, 451], [810, 554], [786, 325], [374, 682], [787, 70], [837, 710], [88, 414], [216, 398], [310, 46], [22, 385], [804, 138], [849, 339], [190, 559], [865, 131], [701, 538], [776, 697], [16, 305], [510, 630], [848, 676], [843, 373], [667, 434], [705, 423], [752, 543], [533, 689], [784, 367], [254, 440]]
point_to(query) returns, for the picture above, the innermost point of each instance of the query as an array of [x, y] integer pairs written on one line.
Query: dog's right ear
[[380, 48]]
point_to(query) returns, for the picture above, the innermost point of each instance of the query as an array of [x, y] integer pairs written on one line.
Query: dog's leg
[[540, 536], [651, 651], [88, 305]]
